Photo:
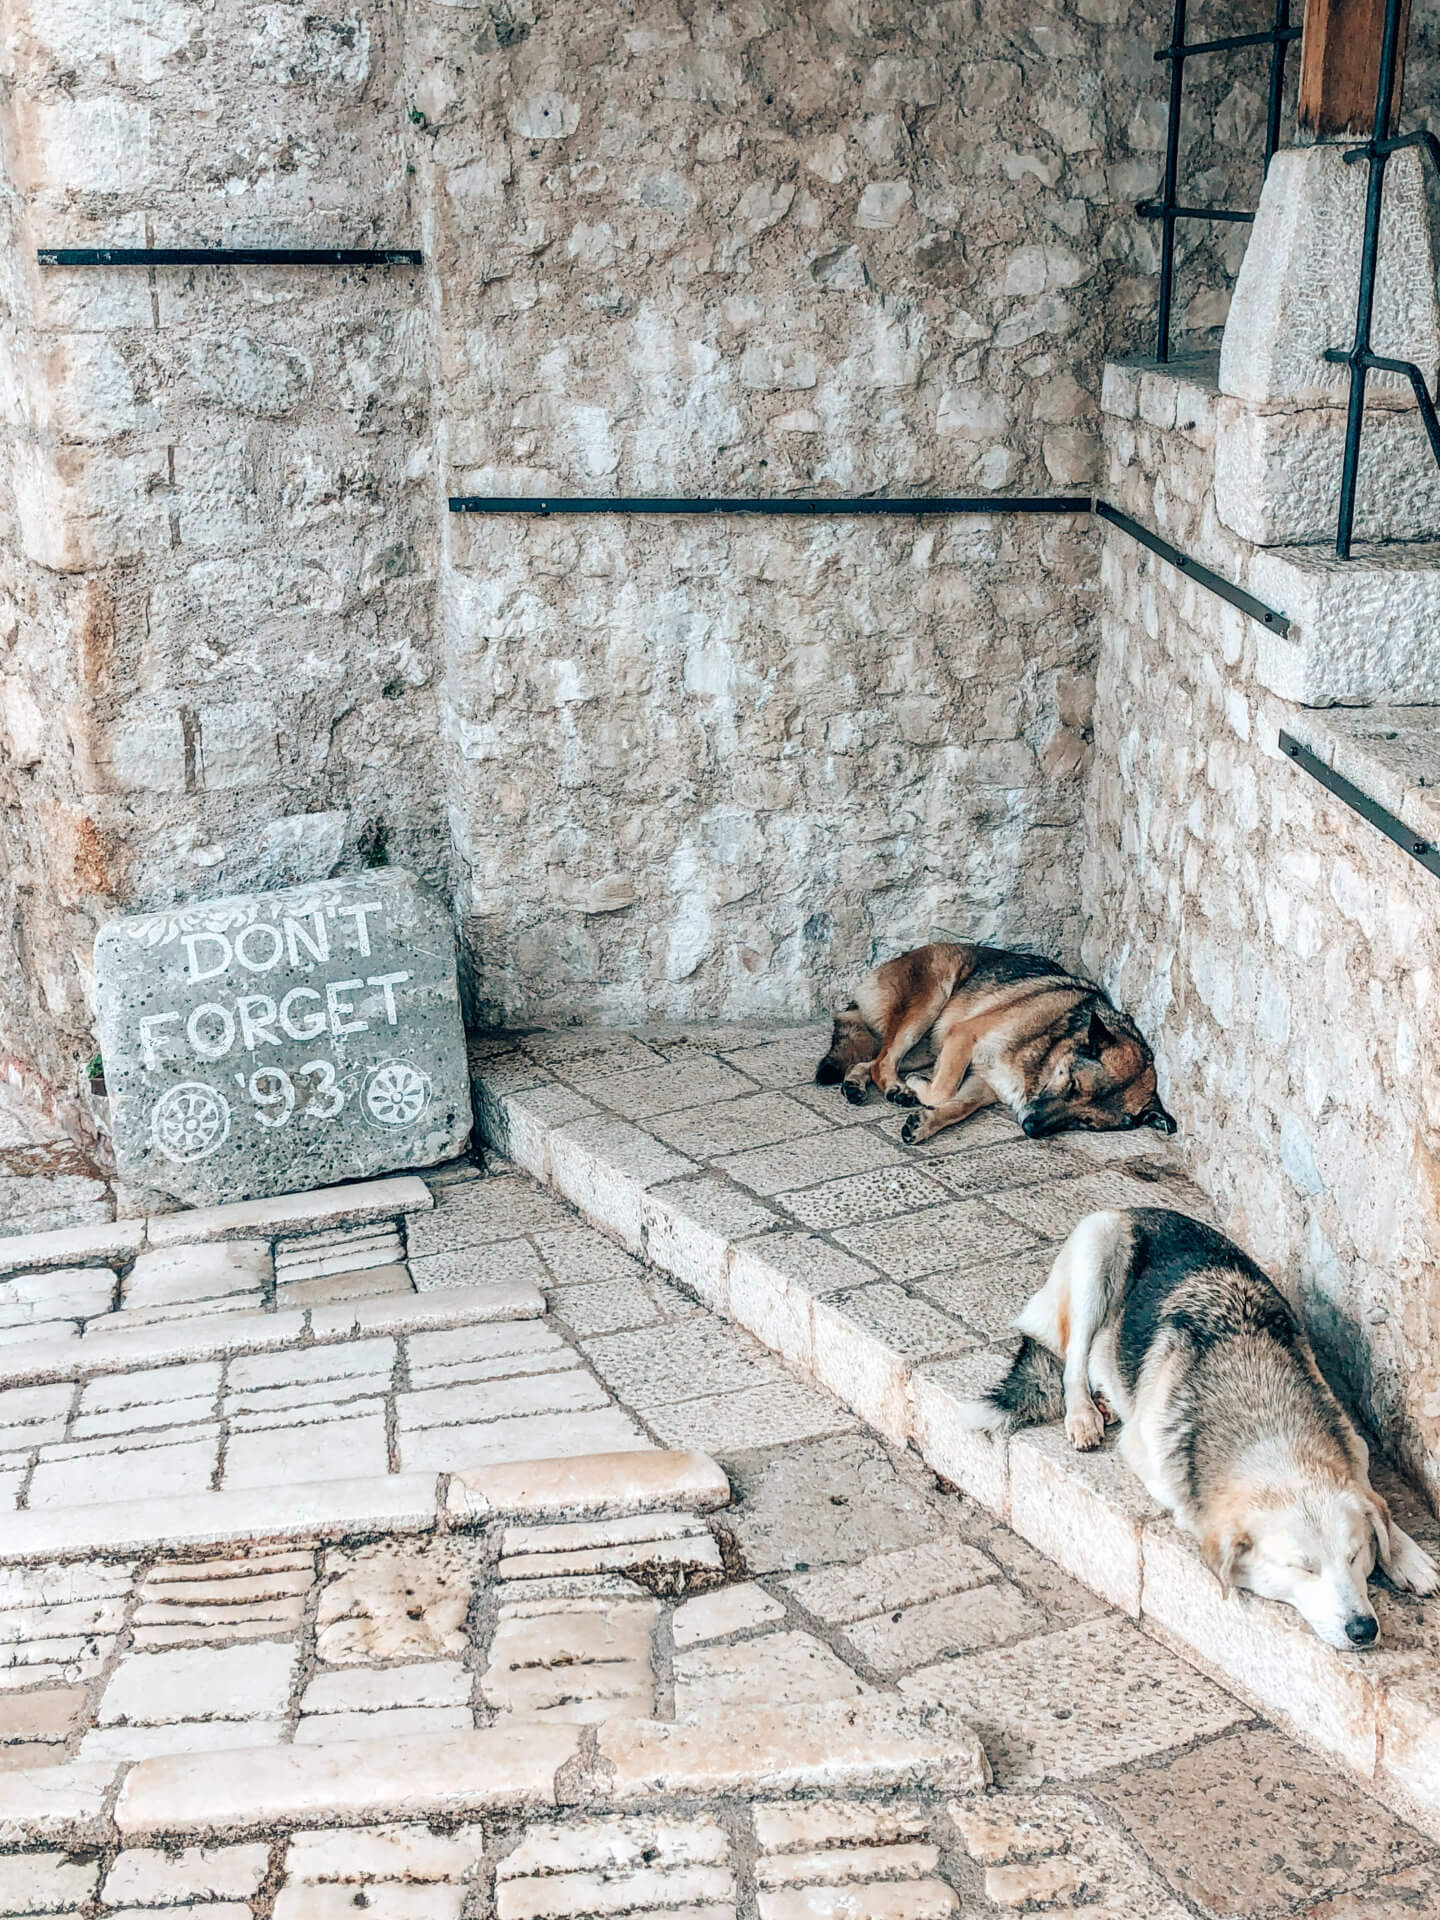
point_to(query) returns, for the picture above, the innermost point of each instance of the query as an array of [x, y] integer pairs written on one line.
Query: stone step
[[1361, 630], [862, 1745], [586, 1486], [891, 1357]]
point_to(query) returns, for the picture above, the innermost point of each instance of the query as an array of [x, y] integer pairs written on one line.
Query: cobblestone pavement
[[272, 1724]]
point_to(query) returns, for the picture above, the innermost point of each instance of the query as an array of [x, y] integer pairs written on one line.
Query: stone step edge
[[1086, 1512], [352, 1205], [585, 1486], [854, 1745], [218, 1336]]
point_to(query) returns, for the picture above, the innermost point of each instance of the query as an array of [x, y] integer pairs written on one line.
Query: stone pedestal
[[1282, 421]]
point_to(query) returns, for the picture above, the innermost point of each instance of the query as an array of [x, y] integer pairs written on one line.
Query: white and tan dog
[[1225, 1415]]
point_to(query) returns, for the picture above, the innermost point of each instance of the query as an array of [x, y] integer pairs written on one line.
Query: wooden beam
[[1340, 65]]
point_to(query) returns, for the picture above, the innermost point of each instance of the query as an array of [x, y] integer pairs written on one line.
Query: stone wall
[[1283, 954], [704, 766]]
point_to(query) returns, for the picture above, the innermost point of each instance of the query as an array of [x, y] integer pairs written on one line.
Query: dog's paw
[[857, 1092], [1085, 1427], [901, 1097], [1411, 1568], [910, 1133]]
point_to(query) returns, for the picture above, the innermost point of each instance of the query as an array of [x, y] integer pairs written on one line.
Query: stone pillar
[[1281, 426]]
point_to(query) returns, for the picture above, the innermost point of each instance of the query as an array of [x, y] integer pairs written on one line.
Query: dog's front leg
[[1404, 1561], [924, 1125]]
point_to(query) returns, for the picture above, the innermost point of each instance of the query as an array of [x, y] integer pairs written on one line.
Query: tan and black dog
[[1008, 1029]]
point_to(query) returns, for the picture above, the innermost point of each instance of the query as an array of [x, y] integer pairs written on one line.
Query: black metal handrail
[[228, 256], [1359, 357], [1167, 209]]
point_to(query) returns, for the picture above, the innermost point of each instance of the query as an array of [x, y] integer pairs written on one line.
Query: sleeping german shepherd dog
[[1007, 1029]]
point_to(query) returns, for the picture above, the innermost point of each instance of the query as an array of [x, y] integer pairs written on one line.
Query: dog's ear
[[1379, 1514], [1099, 1037], [1222, 1553]]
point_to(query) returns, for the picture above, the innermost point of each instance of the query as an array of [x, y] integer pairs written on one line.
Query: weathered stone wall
[[216, 643], [1283, 954], [708, 767]]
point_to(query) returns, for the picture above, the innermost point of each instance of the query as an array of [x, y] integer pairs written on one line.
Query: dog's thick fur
[[1225, 1416], [1005, 1027]]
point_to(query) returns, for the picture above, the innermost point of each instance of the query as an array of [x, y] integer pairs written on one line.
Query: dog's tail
[[1031, 1393], [850, 1043]]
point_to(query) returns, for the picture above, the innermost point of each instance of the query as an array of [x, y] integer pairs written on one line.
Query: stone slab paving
[[606, 1684], [889, 1276]]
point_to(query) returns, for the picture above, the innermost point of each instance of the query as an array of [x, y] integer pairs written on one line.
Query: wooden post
[[1340, 65]]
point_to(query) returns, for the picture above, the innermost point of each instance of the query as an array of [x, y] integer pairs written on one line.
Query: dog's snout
[[1162, 1121], [1030, 1126], [1361, 1629]]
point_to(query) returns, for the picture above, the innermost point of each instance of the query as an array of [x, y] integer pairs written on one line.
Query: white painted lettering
[[245, 940], [359, 915], [192, 941], [297, 933], [210, 1049], [257, 1020], [314, 1022], [333, 991], [147, 1044], [385, 982]]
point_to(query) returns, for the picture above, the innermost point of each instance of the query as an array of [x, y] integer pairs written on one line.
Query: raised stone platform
[[889, 1276]]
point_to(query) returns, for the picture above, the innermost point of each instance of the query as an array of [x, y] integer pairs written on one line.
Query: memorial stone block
[[273, 1042]]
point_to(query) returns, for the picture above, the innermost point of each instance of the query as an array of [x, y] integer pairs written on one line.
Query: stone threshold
[[347, 1206], [218, 1336], [849, 1746], [1377, 1713], [594, 1486]]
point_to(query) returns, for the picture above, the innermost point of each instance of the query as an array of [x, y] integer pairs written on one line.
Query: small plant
[[417, 118], [95, 1068]]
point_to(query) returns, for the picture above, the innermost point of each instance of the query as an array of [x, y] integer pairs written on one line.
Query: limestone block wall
[[1282, 953], [216, 586]]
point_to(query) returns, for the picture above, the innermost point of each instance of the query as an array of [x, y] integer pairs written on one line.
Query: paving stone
[[306, 1400], [574, 1391], [50, 1714], [180, 1736], [555, 1543], [579, 1256], [358, 1855], [634, 1481], [433, 1683], [138, 1319], [1011, 1163], [828, 1155], [133, 1473], [1056, 1850], [49, 1622], [787, 1060], [146, 1877], [365, 1285], [612, 1865], [398, 1723], [34, 1406], [45, 1882], [1064, 1705], [753, 1120], [766, 1416], [782, 1825], [904, 1249], [874, 1900], [331, 1450], [864, 1197], [224, 1683], [154, 1419], [385, 1900], [905, 1326], [988, 1296], [774, 1669], [181, 1275], [656, 1366], [616, 1148], [835, 1499], [539, 1436], [39, 1330], [342, 1360], [593, 1050], [393, 1601], [1247, 1824], [459, 1346], [1399, 1896], [300, 1248], [514, 1261], [836, 1865], [484, 1211], [357, 1251], [415, 1312], [707, 1202], [885, 1581], [347, 1781], [60, 1290], [580, 1665], [157, 1385], [712, 1616], [70, 1247], [1053, 1211], [1087, 1511], [612, 1306], [44, 1586], [989, 1616], [844, 1746], [353, 1203], [633, 1094]]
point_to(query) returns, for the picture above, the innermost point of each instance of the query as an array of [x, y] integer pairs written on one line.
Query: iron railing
[[1359, 357], [1167, 209]]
